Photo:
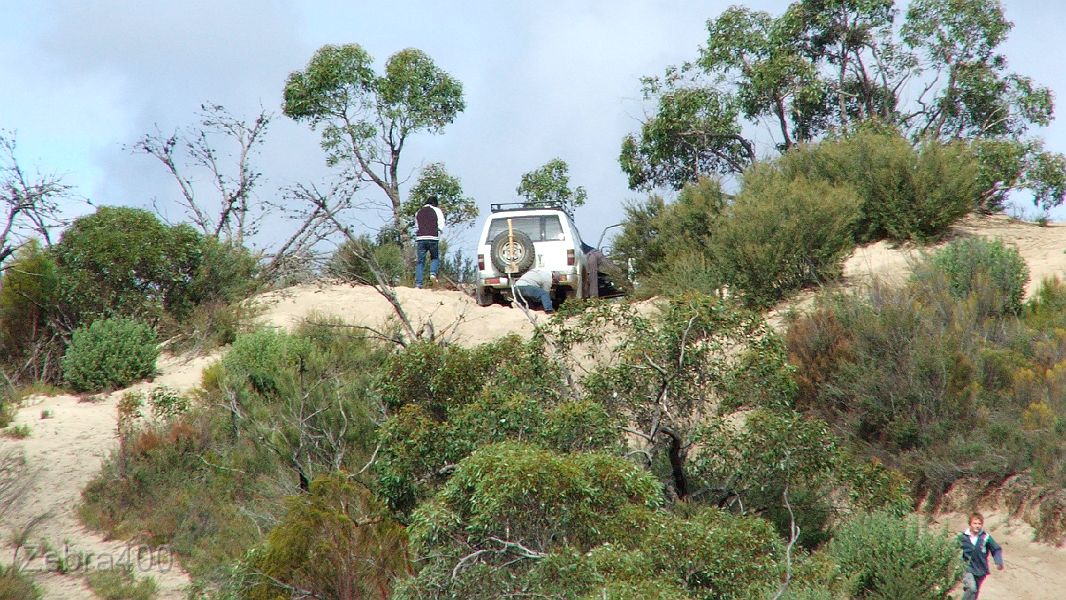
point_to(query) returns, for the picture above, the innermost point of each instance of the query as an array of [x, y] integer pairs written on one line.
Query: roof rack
[[506, 206]]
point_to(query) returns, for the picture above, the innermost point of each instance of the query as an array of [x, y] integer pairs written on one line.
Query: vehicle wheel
[[512, 254], [484, 296]]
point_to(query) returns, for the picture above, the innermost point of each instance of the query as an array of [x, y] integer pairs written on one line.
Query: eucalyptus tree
[[823, 67], [549, 184], [366, 118]]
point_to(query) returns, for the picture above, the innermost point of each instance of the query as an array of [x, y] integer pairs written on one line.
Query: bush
[[356, 259], [29, 296], [109, 354], [120, 584], [965, 262], [888, 557], [14, 585], [123, 261], [781, 234], [905, 193], [335, 542], [1047, 308], [669, 242]]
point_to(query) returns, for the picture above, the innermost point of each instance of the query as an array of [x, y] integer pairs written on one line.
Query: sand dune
[[67, 449]]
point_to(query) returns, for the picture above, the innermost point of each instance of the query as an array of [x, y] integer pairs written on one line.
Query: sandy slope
[[1041, 247], [454, 316], [66, 450], [1033, 571]]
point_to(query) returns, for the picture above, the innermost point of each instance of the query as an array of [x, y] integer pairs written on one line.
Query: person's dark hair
[[432, 201]]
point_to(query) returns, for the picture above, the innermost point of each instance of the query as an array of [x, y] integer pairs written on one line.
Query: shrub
[[684, 272], [771, 448], [335, 542], [669, 242], [965, 262], [641, 239], [263, 360], [1047, 308], [224, 274], [15, 585], [29, 295], [109, 354], [123, 261], [781, 234], [356, 259], [904, 192], [121, 584], [888, 557]]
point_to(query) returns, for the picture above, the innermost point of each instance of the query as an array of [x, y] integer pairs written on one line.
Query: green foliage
[[435, 181], [123, 261], [886, 556], [210, 477], [782, 233], [1047, 306], [121, 584], [357, 259], [366, 118], [528, 495], [939, 385], [18, 432], [549, 185], [225, 274], [776, 462], [28, 295], [817, 69], [447, 401], [16, 585], [288, 387], [967, 261], [905, 192], [182, 483], [641, 239], [694, 133], [669, 242], [109, 354], [119, 262], [334, 542], [515, 517]]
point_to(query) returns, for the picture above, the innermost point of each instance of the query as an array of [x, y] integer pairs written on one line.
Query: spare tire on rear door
[[512, 252]]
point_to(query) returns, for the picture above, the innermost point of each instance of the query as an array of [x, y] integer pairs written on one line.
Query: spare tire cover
[[512, 254]]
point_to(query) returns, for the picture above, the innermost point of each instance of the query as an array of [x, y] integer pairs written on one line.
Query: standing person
[[536, 284], [429, 223], [976, 546]]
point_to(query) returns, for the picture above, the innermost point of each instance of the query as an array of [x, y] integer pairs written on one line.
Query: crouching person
[[536, 284]]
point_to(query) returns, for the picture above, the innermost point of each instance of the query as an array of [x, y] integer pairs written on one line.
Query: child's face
[[976, 524]]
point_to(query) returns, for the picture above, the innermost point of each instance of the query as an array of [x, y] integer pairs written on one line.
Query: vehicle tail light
[[570, 258], [493, 281], [480, 262]]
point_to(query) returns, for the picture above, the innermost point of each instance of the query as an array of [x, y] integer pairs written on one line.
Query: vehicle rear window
[[539, 228]]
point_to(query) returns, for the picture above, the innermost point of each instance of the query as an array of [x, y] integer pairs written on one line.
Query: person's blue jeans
[[421, 248], [533, 292], [971, 585]]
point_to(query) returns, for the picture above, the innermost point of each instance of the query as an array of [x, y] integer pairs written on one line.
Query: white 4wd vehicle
[[517, 237]]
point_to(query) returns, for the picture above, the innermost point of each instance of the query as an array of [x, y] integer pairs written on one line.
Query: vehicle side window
[[553, 229], [539, 228]]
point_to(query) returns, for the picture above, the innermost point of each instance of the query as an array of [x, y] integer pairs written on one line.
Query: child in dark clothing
[[976, 546]]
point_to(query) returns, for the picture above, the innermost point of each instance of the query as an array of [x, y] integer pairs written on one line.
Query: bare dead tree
[[230, 213], [328, 208], [31, 205]]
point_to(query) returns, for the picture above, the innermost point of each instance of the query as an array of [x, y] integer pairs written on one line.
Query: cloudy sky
[[83, 80]]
